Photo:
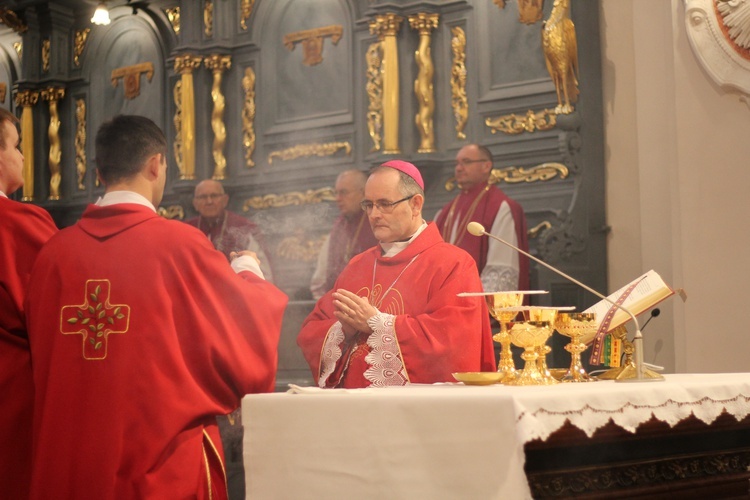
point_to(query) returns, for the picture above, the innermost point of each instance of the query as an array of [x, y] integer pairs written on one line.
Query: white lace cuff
[[385, 358], [331, 352]]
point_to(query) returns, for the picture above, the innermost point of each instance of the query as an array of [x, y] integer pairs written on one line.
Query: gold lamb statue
[[561, 55]]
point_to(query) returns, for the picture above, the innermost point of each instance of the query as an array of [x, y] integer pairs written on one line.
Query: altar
[[455, 441]]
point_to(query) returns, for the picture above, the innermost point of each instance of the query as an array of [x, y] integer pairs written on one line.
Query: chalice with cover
[[581, 328]]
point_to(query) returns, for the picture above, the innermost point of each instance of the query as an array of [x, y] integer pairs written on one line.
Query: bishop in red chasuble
[[141, 334], [394, 316]]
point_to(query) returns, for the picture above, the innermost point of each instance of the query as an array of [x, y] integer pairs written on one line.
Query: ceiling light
[[101, 15]]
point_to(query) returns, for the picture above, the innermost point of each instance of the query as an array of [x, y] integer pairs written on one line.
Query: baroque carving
[[561, 55], [18, 47], [314, 149], [298, 249], [11, 20], [513, 124], [374, 88], [184, 118], [542, 226], [3, 91], [309, 197], [173, 15], [246, 9], [208, 18], [80, 142], [27, 99], [131, 77], [248, 116], [560, 242], [46, 47], [218, 64], [515, 175], [312, 42], [172, 212], [530, 11], [52, 95], [386, 27], [423, 85], [79, 43], [458, 81]]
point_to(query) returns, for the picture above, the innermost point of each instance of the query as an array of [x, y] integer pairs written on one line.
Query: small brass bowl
[[478, 378]]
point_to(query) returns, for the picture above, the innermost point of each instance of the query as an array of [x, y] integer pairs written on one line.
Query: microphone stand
[[477, 229]]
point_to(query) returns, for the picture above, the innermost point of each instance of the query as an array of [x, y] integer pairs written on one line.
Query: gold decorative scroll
[[246, 8], [3, 91], [172, 212], [309, 197], [79, 43], [217, 64], [80, 142], [173, 15], [11, 20], [500, 3], [423, 85], [46, 46], [374, 88], [18, 47], [530, 11], [248, 116], [513, 124], [295, 248], [312, 42], [386, 27], [314, 149], [515, 175], [560, 49], [131, 77], [184, 118], [52, 95], [542, 226], [458, 81], [208, 18], [27, 99]]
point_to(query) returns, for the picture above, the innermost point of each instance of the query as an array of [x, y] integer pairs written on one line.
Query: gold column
[[52, 95], [386, 27], [184, 65], [27, 99], [218, 63], [423, 88]]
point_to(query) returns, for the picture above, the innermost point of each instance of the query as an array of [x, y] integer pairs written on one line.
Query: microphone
[[477, 229], [654, 313]]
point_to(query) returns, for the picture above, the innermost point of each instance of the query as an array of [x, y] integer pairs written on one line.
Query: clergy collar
[[394, 248], [117, 197], [475, 188]]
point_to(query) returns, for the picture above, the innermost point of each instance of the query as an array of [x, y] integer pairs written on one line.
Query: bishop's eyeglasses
[[384, 207]]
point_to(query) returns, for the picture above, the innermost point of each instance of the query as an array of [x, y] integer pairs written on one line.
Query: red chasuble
[[141, 334], [481, 203], [349, 237], [431, 333], [23, 230]]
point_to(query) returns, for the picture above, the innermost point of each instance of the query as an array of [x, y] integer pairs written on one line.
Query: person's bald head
[[350, 190], [209, 199]]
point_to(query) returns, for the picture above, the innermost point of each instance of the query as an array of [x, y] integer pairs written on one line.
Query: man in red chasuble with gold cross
[[393, 316], [500, 267], [141, 334]]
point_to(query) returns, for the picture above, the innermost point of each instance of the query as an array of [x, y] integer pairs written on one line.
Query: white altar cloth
[[447, 441]]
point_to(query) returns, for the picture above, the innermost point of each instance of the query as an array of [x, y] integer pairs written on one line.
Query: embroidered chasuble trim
[[385, 358], [331, 353], [209, 447]]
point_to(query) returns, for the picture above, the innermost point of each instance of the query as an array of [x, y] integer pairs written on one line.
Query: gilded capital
[[424, 22], [186, 63], [218, 62], [27, 97], [386, 25], [53, 93]]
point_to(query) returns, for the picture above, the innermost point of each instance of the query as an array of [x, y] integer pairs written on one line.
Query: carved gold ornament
[[309, 197], [530, 11], [3, 91], [386, 27], [173, 15], [314, 149], [52, 95], [248, 116], [298, 249], [46, 46], [499, 3], [514, 124], [18, 47], [458, 81], [218, 64], [542, 226], [27, 99], [131, 78], [172, 212], [515, 175], [184, 118], [79, 43], [561, 55], [208, 18], [312, 42], [423, 85], [246, 8], [374, 88], [11, 20], [80, 142]]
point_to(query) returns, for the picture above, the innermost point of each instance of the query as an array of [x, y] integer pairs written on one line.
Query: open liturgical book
[[637, 296]]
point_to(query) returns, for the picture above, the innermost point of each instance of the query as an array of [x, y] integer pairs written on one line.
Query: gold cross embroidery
[[95, 319]]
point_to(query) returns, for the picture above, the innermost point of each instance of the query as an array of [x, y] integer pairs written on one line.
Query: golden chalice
[[530, 335], [498, 304], [544, 314], [581, 328]]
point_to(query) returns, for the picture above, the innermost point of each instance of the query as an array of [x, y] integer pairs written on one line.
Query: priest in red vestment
[[501, 267], [350, 235], [141, 334], [394, 316], [24, 229]]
